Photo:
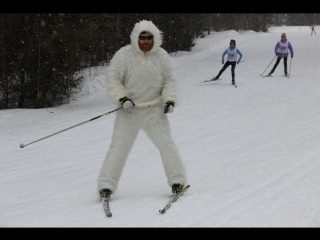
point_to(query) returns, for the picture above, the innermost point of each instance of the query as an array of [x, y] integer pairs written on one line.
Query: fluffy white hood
[[145, 25], [147, 78]]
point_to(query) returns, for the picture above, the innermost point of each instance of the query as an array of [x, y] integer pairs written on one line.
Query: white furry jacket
[[145, 78]]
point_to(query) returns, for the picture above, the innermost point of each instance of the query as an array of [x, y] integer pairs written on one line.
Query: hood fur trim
[[145, 25]]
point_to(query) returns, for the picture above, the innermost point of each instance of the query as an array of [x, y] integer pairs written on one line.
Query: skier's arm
[[114, 80], [276, 48], [290, 49], [223, 54], [240, 54], [170, 92]]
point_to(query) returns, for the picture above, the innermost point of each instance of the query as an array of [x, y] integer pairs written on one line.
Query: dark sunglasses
[[144, 37]]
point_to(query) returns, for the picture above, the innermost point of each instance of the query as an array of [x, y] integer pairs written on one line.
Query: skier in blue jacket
[[232, 52]]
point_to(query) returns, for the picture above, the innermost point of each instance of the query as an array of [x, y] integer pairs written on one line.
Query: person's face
[[232, 45], [283, 37], [145, 42]]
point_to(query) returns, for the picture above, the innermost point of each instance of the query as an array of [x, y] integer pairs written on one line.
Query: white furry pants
[[126, 128]]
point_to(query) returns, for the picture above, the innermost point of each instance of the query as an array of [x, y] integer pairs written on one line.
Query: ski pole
[[269, 64], [23, 145]]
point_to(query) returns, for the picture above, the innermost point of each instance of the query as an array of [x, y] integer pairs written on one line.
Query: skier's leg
[[275, 65], [125, 131], [233, 66], [158, 130], [223, 69], [285, 65]]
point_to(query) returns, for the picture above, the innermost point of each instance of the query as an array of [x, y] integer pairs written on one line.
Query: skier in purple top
[[281, 50]]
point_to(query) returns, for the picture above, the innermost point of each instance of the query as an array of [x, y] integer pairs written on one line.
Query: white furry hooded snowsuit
[[149, 81]]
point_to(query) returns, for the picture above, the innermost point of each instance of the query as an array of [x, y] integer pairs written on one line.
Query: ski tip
[[186, 188], [211, 80]]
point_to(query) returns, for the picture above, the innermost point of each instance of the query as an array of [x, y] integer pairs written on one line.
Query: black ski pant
[[277, 62], [227, 64]]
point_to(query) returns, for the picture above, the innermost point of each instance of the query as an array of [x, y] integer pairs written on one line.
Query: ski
[[211, 80], [288, 76], [106, 207], [173, 199]]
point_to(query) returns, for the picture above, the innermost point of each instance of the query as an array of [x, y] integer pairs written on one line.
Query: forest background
[[43, 55]]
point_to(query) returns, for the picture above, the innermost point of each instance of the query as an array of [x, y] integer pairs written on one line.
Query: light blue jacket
[[238, 52]]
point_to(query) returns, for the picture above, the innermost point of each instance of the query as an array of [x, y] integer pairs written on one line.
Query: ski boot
[[177, 188], [105, 192]]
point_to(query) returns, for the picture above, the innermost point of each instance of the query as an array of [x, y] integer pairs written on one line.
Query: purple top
[[283, 54]]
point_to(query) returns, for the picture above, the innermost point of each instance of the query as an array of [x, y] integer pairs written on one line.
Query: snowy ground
[[252, 153]]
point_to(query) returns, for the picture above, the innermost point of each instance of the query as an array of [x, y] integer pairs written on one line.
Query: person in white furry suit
[[141, 80]]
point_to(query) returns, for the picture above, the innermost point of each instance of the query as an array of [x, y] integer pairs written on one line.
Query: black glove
[[126, 103], [222, 62], [168, 107], [238, 62], [291, 56], [277, 54]]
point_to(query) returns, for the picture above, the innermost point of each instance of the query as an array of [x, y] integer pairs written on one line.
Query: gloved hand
[[168, 107], [238, 62], [277, 54], [222, 62], [126, 103], [291, 56]]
